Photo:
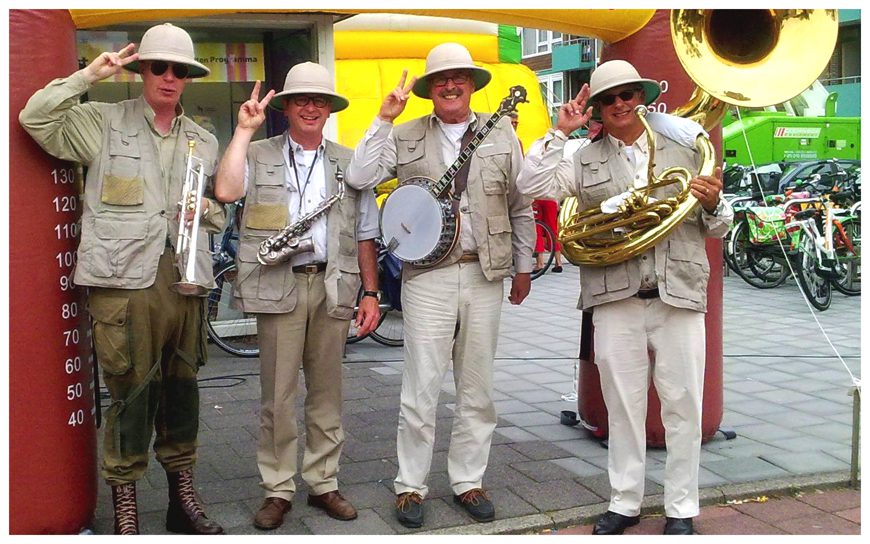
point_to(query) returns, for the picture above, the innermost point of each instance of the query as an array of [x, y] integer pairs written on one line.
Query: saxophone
[[286, 244]]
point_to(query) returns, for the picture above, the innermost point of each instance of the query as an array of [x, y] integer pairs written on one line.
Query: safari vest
[[418, 153], [681, 264], [272, 289], [130, 208]]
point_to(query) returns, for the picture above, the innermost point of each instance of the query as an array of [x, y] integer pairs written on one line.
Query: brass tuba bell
[[749, 58]]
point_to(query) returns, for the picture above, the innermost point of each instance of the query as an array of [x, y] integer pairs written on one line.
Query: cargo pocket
[[123, 184], [347, 284], [111, 334]]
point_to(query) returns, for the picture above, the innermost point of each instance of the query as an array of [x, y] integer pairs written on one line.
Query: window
[[552, 89], [538, 42]]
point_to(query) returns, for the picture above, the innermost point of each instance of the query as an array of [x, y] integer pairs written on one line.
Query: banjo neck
[[465, 154]]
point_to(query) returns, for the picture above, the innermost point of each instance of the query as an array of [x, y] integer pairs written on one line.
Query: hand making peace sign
[[110, 63], [252, 112], [395, 102]]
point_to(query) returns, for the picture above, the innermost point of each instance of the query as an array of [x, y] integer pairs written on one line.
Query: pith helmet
[[450, 56], [309, 78], [169, 43], [614, 73]]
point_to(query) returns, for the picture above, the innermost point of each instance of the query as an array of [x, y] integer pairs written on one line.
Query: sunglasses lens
[[625, 96], [158, 67], [180, 71]]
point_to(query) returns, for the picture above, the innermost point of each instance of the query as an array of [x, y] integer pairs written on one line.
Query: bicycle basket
[[766, 224]]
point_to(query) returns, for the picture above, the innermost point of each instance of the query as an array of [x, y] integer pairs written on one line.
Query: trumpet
[[188, 232]]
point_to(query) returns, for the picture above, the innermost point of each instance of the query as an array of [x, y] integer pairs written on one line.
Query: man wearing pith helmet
[[148, 337], [303, 304], [651, 303], [452, 310]]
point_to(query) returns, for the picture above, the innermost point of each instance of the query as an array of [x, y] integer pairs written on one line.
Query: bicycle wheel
[[391, 331], [754, 264], [549, 248], [848, 267], [352, 338], [231, 330], [815, 287]]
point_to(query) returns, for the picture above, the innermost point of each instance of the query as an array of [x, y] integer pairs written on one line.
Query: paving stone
[[745, 469], [776, 509], [367, 471], [515, 434], [820, 524], [832, 500], [368, 522], [576, 466], [557, 495]]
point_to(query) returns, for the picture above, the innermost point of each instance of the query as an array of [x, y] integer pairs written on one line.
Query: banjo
[[418, 222]]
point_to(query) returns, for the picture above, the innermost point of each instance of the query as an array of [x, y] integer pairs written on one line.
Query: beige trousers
[[309, 338], [626, 332], [434, 302]]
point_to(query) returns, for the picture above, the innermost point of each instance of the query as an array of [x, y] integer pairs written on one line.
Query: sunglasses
[[609, 99], [159, 67], [458, 79], [302, 100]]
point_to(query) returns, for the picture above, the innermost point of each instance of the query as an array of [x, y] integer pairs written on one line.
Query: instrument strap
[[460, 180], [302, 189]]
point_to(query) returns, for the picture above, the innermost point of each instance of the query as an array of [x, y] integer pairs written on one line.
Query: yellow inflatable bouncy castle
[[372, 50]]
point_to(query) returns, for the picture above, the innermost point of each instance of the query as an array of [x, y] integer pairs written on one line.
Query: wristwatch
[[376, 294], [719, 207]]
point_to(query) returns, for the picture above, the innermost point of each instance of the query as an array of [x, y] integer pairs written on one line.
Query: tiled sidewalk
[[809, 512]]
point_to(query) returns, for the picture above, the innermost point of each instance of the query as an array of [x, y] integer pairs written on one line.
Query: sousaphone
[[749, 58]]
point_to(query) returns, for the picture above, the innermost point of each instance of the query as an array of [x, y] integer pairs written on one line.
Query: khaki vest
[[681, 258], [418, 153], [130, 209], [272, 289]]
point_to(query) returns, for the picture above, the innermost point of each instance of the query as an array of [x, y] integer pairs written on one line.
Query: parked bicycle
[[390, 329], [230, 329], [548, 243]]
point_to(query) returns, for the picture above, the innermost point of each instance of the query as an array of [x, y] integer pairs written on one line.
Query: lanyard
[[296, 173]]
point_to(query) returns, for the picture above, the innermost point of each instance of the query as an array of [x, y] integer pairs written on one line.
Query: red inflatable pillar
[[651, 51], [52, 436]]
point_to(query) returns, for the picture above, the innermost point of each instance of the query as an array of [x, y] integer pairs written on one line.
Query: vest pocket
[[260, 216], [119, 242], [686, 270], [499, 241], [119, 191], [346, 283], [111, 337], [256, 281]]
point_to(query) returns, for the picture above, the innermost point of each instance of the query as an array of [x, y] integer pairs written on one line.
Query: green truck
[[805, 128]]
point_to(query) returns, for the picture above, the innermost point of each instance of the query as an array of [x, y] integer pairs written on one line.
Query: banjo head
[[411, 222]]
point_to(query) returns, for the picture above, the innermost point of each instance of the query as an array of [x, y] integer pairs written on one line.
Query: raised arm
[[230, 181]]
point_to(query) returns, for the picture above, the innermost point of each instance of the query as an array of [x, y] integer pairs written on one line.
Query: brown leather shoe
[[271, 514], [335, 505]]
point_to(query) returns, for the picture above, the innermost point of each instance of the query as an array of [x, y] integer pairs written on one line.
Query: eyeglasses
[[609, 99], [302, 100], [458, 79], [158, 68]]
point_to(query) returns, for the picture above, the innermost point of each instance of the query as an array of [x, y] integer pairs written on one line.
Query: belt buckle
[[311, 268]]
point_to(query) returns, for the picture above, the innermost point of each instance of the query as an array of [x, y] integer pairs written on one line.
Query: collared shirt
[[637, 157], [307, 189]]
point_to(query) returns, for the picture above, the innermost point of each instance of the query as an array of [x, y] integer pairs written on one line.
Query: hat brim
[[651, 90], [480, 76], [197, 70], [337, 102]]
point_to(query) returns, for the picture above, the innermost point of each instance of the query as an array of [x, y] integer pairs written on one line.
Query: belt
[[649, 293], [310, 268], [469, 258]]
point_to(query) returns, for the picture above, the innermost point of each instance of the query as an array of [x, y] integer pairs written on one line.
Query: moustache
[[455, 91]]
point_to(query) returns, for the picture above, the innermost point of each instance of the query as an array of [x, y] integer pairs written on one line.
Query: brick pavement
[[785, 396]]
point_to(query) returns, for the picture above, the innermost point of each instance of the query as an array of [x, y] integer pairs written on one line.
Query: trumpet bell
[[754, 57], [190, 289]]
